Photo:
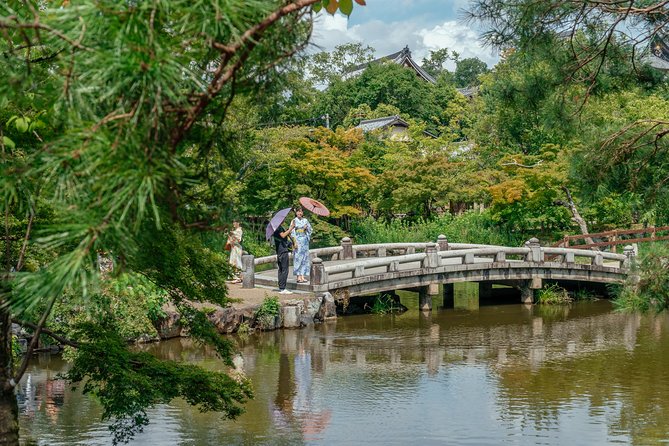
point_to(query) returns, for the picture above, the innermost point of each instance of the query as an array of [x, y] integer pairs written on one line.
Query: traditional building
[[394, 125], [401, 58], [404, 58]]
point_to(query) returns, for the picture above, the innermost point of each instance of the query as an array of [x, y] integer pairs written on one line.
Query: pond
[[495, 374]]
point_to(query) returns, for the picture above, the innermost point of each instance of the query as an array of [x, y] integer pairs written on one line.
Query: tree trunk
[[577, 217], [9, 409]]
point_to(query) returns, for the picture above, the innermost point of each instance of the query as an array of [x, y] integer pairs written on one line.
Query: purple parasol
[[276, 221]]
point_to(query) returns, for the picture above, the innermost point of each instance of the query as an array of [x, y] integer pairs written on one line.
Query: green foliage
[[267, 312], [133, 301], [117, 135], [434, 64], [467, 71], [127, 383], [381, 83], [647, 288], [385, 304], [270, 306], [585, 294], [326, 67], [470, 227], [553, 295]]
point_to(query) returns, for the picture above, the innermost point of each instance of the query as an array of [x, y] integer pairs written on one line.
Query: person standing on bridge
[[283, 247], [235, 244], [302, 234]]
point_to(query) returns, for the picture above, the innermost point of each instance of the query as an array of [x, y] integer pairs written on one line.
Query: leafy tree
[[434, 64], [326, 67], [467, 71], [114, 112], [384, 83]]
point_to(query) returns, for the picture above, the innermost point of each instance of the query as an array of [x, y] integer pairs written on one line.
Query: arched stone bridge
[[354, 270]]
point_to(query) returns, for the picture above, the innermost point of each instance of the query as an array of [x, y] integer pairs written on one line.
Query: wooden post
[[347, 252], [318, 274], [248, 271]]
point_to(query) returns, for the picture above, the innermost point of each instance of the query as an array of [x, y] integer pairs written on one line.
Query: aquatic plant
[[553, 294]]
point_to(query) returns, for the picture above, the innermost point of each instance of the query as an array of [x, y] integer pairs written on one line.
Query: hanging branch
[[240, 50], [33, 342]]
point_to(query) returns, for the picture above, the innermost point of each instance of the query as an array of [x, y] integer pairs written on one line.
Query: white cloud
[[389, 37], [458, 37]]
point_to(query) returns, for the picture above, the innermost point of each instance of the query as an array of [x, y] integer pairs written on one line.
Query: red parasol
[[314, 206]]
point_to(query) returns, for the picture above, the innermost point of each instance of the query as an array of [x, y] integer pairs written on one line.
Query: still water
[[502, 374]]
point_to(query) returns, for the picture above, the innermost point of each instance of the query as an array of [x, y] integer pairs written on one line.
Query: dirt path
[[251, 297]]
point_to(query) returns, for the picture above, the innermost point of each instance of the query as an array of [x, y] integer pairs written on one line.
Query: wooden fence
[[616, 237]]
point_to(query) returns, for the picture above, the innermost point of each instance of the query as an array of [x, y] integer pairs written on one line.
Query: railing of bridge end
[[536, 254], [630, 257], [431, 256], [347, 249], [318, 274], [442, 243], [630, 263], [248, 271]]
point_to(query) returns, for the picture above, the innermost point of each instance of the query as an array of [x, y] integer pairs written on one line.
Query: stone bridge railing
[[349, 264]]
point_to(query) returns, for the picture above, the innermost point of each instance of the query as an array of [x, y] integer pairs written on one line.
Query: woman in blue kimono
[[302, 234]]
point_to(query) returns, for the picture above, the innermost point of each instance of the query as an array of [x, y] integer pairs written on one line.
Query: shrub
[[553, 295], [267, 312], [647, 287], [470, 227], [585, 294]]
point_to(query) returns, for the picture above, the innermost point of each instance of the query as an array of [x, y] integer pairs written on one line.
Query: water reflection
[[511, 373]]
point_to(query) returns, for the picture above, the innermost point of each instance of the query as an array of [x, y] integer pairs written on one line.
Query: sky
[[390, 25]]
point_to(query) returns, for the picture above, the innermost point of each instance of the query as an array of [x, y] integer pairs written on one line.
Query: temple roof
[[378, 123], [404, 58]]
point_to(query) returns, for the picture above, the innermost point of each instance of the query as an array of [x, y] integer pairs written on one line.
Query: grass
[[553, 295]]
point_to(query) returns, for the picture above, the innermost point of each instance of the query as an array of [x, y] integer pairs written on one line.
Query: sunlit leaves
[[331, 6]]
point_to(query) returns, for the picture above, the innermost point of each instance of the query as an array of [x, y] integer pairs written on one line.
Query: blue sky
[[390, 25]]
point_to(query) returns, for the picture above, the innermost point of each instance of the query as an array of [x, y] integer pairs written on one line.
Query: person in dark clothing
[[283, 246]]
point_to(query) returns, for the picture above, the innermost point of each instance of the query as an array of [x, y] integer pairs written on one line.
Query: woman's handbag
[[228, 246]]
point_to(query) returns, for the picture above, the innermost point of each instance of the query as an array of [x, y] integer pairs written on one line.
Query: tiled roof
[[373, 124], [401, 58], [468, 92]]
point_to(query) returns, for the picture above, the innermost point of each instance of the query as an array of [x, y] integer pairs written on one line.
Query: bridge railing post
[[442, 243], [248, 271], [318, 274], [431, 256], [598, 259], [347, 252], [630, 257], [536, 254]]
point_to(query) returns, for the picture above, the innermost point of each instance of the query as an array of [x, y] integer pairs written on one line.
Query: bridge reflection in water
[[581, 374]]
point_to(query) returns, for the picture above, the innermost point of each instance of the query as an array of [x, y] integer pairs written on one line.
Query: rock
[[228, 320], [168, 327], [328, 309], [290, 314]]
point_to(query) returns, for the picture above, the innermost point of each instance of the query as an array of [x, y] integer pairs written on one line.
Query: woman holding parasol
[[302, 233]]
